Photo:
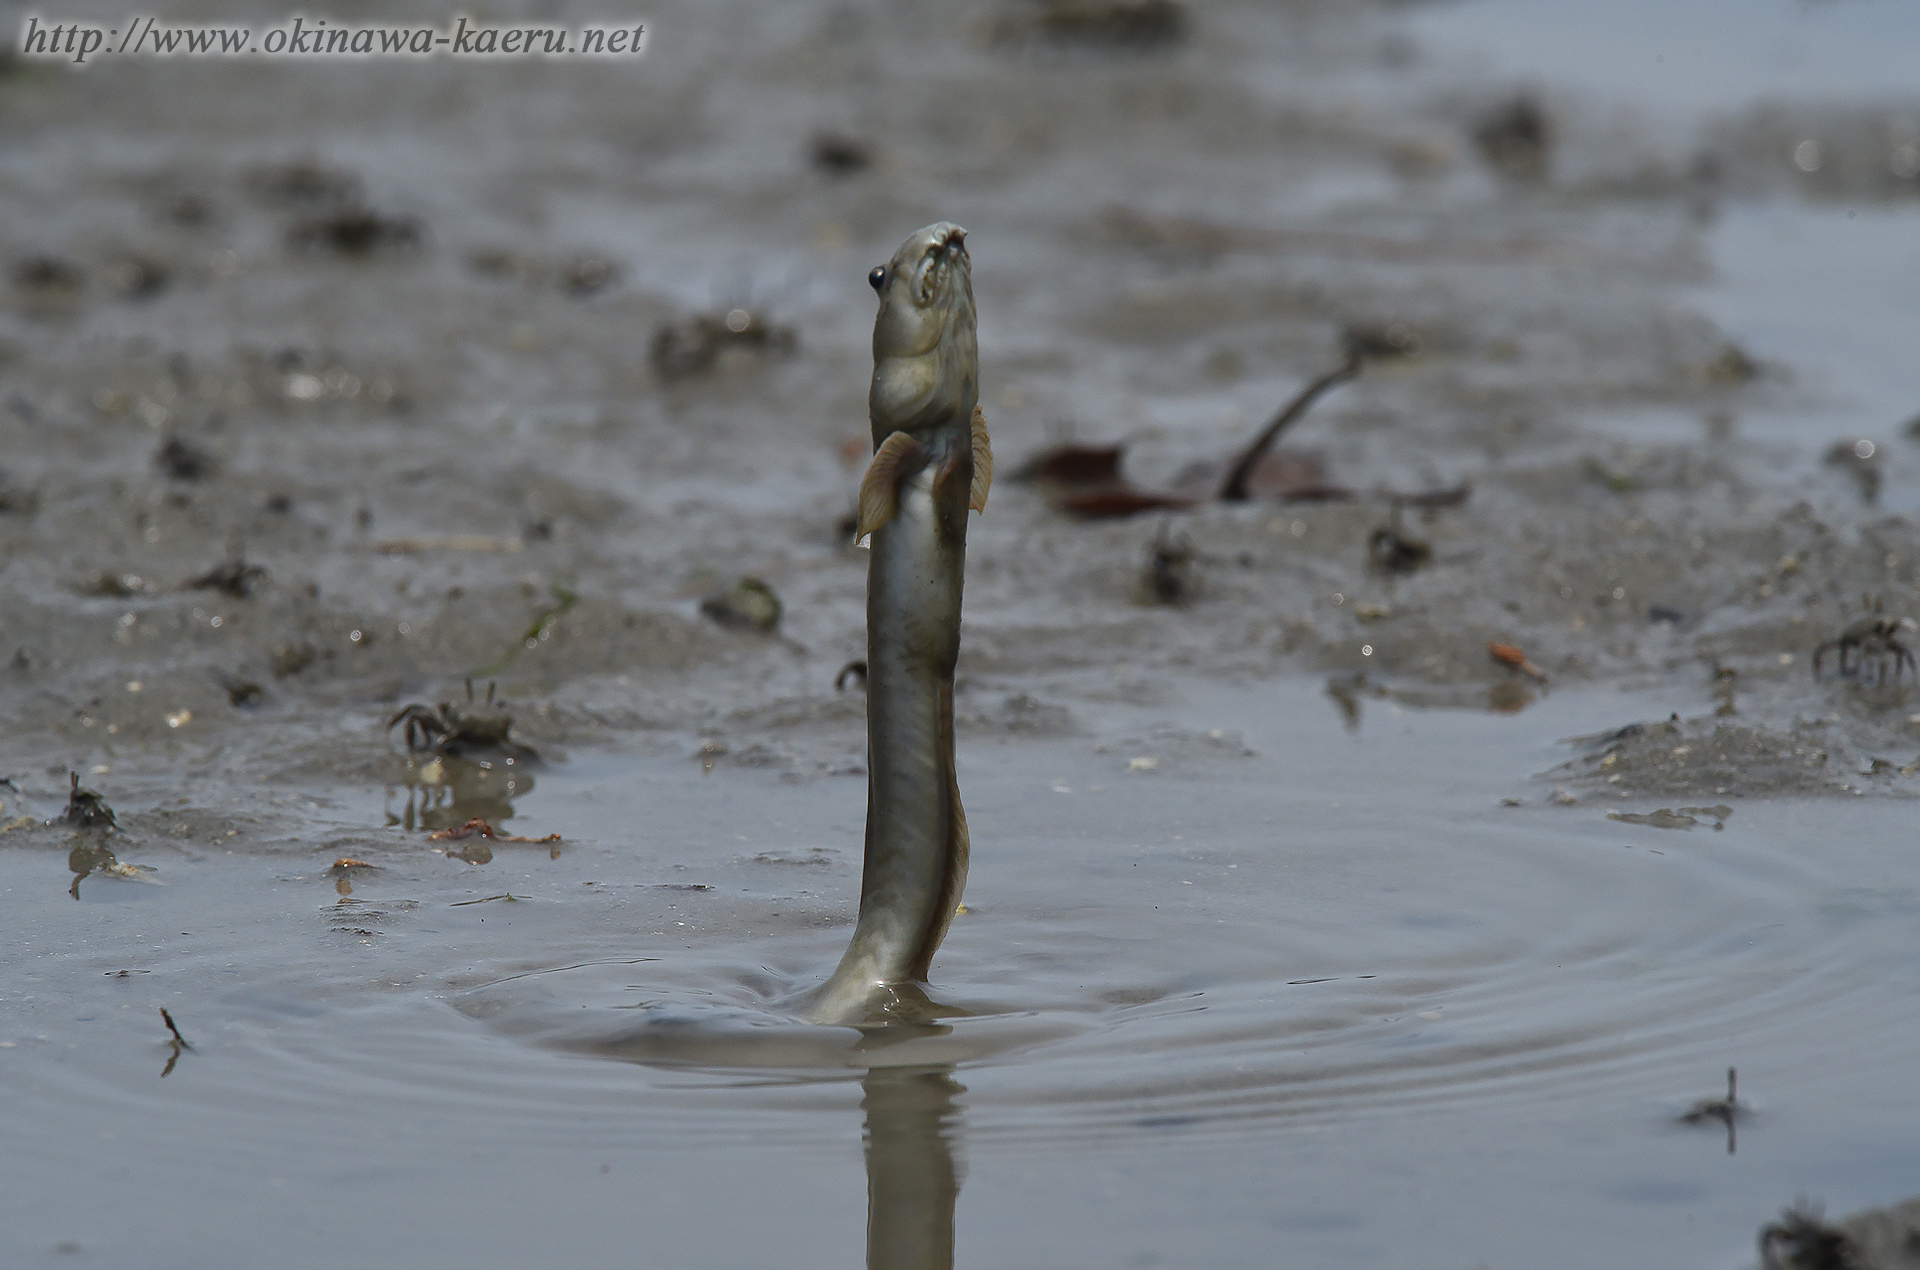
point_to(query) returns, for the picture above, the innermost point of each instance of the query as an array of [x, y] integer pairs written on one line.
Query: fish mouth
[[948, 248]]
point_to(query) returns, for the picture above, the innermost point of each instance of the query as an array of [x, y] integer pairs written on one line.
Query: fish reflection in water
[[912, 1116], [913, 1177]]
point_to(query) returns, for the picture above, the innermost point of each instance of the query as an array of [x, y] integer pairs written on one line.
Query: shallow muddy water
[[1307, 988], [1301, 928]]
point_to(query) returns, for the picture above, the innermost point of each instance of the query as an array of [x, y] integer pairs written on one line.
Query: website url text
[[316, 37]]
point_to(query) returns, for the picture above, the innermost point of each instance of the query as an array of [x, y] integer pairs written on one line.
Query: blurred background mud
[[423, 344]]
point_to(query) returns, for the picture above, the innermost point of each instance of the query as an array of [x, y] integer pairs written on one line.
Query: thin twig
[[1234, 488]]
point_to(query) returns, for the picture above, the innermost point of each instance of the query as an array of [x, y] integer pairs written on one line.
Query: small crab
[[1725, 1110], [1168, 577], [1391, 549], [454, 732], [1802, 1237], [86, 809], [1872, 636]]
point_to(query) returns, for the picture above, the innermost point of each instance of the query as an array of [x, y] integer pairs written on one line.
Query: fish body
[[931, 462]]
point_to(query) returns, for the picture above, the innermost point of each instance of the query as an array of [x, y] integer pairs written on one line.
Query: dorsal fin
[[880, 487], [982, 463]]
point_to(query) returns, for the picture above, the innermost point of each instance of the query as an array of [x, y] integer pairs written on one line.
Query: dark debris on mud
[[1711, 757]]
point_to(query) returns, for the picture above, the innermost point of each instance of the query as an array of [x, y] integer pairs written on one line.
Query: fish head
[[924, 350], [921, 290]]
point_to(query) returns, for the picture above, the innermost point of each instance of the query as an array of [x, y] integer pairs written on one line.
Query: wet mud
[[328, 389]]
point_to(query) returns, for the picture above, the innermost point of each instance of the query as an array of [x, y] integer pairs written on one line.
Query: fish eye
[[877, 277]]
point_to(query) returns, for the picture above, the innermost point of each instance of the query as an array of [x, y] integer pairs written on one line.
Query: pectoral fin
[[982, 463], [880, 487]]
